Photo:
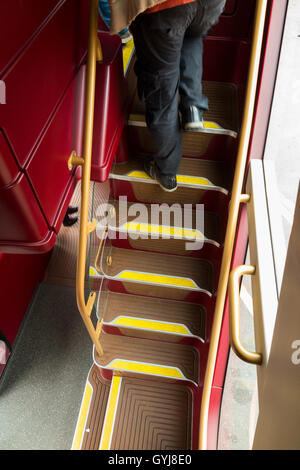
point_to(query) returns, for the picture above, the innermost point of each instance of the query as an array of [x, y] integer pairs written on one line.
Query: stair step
[[108, 414], [155, 221], [209, 127], [152, 318], [223, 107], [139, 270], [145, 357], [193, 173]]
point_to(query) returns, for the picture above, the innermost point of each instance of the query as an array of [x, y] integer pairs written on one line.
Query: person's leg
[[158, 40], [193, 103], [191, 69]]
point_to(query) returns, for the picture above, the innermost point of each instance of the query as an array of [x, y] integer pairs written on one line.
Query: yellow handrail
[[94, 55], [234, 321], [234, 207]]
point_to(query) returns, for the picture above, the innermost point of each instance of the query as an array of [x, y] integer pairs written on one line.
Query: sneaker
[[72, 209], [125, 36], [192, 119], [167, 183], [69, 220]]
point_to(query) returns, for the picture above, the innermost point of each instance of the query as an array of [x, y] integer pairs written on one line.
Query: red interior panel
[[37, 81], [48, 170], [109, 100], [230, 7], [19, 275], [21, 218], [236, 20], [8, 166], [41, 120], [18, 27]]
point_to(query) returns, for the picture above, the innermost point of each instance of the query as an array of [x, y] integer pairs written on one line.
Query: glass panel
[[283, 142]]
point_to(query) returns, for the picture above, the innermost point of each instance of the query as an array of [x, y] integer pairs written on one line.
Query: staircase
[[156, 281]]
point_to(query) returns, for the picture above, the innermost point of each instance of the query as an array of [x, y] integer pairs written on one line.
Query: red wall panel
[[8, 166], [36, 82], [18, 27], [19, 275], [48, 170]]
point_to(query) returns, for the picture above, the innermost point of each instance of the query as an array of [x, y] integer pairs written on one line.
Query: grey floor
[[41, 391]]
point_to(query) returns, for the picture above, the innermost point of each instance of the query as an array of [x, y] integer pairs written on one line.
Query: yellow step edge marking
[[197, 180], [109, 420], [137, 117], [127, 54], [207, 124], [154, 325], [212, 125], [149, 369], [93, 272], [209, 127], [150, 278], [83, 414], [173, 281], [177, 232], [183, 179]]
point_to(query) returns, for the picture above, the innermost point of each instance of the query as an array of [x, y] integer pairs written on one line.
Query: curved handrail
[[236, 199], [94, 55], [234, 302]]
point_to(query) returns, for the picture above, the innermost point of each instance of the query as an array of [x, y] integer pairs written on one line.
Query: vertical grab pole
[[94, 54]]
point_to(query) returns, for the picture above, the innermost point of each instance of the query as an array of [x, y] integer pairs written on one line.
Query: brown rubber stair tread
[[211, 223], [152, 416], [113, 305], [160, 265], [87, 437], [145, 351], [149, 415], [222, 98], [214, 171]]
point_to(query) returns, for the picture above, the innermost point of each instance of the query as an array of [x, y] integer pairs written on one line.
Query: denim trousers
[[169, 49]]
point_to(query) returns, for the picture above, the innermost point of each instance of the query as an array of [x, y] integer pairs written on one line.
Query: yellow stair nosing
[[192, 284], [210, 127], [128, 52], [83, 416], [127, 275], [146, 368], [144, 178], [110, 414], [177, 329], [123, 228]]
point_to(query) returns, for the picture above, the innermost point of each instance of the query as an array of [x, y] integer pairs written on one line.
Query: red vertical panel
[[19, 21], [19, 275]]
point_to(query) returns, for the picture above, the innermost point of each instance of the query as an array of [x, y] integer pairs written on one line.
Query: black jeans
[[169, 45]]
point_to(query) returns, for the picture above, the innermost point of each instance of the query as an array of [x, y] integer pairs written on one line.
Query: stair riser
[[107, 374], [153, 335], [178, 247], [149, 291], [157, 291]]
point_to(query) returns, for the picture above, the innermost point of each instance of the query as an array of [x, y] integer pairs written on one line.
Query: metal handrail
[[94, 55], [234, 302], [236, 199]]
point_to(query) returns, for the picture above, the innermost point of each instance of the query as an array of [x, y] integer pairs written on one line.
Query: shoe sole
[[193, 127], [158, 182], [165, 189]]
